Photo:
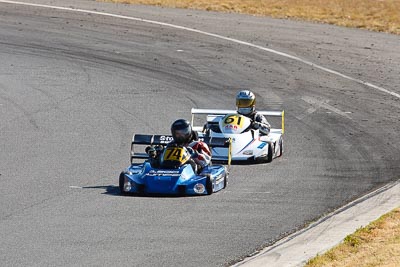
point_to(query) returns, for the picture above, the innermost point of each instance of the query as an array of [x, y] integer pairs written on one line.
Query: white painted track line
[[215, 36]]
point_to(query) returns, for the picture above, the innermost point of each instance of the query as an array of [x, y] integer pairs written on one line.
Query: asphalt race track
[[74, 87]]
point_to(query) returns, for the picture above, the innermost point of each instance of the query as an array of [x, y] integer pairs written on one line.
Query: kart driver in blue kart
[[246, 106], [183, 135]]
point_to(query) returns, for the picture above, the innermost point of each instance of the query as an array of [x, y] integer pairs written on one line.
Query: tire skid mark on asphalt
[[25, 113], [316, 103], [215, 36]]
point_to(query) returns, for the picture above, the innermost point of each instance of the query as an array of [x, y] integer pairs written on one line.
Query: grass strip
[[375, 15], [377, 244]]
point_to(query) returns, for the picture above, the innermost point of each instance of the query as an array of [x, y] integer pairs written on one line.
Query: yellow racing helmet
[[245, 102]]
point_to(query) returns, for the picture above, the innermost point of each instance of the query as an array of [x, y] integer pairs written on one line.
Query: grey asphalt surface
[[75, 86]]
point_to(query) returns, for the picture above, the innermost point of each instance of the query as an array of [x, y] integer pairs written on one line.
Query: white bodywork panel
[[246, 144]]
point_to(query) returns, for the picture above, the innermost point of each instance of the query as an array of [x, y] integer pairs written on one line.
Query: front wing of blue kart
[[143, 179]]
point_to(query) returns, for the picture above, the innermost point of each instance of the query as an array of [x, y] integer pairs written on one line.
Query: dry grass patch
[[377, 15], [378, 244]]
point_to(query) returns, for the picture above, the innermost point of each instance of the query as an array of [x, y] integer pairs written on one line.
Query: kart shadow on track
[[242, 162], [109, 189], [113, 190]]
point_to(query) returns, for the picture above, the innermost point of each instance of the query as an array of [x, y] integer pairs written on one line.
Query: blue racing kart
[[173, 173]]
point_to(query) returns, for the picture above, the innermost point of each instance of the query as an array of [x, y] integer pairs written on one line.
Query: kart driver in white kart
[[183, 135], [246, 106]]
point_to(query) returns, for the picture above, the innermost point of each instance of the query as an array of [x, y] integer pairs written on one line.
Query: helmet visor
[[182, 133], [245, 103]]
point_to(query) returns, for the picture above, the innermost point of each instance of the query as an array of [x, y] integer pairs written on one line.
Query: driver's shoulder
[[258, 117], [197, 143]]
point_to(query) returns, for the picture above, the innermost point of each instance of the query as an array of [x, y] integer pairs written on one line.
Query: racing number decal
[[233, 121], [175, 154]]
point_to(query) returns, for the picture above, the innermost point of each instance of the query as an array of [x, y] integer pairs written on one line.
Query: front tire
[[269, 157], [280, 147], [225, 180], [121, 183], [209, 185]]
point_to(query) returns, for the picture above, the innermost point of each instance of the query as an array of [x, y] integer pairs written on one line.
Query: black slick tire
[[269, 157], [280, 147], [225, 180], [121, 184], [209, 186]]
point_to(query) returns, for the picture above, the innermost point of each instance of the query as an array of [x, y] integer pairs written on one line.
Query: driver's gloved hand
[[159, 147], [255, 125], [199, 169], [192, 153], [151, 151]]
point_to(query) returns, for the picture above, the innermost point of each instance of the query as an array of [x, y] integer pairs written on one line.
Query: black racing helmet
[[181, 131]]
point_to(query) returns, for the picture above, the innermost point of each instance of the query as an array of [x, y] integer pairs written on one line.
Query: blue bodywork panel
[[144, 179]]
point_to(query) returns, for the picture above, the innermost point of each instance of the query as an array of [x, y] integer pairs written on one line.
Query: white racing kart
[[247, 143]]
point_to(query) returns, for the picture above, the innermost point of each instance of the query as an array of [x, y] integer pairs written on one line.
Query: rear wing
[[195, 111], [154, 140], [147, 140]]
